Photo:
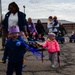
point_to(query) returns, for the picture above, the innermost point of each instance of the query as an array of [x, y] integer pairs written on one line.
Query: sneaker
[[52, 66]]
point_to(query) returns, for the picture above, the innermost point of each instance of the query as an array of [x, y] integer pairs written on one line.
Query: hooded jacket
[[52, 46]]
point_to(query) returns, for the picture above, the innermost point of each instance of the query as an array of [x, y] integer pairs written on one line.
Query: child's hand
[[39, 44], [18, 43]]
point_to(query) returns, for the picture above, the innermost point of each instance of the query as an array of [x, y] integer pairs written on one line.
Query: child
[[53, 48], [13, 52], [33, 40], [34, 36], [41, 38]]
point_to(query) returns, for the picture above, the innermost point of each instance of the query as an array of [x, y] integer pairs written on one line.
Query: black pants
[[17, 67]]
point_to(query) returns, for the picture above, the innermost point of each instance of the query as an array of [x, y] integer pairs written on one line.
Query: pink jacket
[[52, 46]]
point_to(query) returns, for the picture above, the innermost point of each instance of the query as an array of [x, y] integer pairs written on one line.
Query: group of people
[[15, 25], [53, 24], [35, 31], [15, 17]]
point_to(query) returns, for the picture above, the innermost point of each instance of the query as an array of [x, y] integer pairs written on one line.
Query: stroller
[[72, 37], [60, 34], [60, 38]]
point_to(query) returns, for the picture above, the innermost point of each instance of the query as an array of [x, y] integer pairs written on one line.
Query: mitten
[[18, 44]]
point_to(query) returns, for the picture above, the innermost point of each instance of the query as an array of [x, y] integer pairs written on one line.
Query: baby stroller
[[60, 38], [72, 37], [61, 33]]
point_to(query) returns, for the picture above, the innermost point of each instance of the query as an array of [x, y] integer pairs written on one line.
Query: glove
[[18, 43], [59, 53]]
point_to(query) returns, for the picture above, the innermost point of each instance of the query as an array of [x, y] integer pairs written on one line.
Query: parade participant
[[13, 17], [53, 48], [13, 52]]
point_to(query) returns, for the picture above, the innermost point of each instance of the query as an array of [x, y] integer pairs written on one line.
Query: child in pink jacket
[[53, 47]]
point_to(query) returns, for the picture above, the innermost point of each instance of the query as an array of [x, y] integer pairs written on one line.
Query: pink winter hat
[[14, 29], [51, 35]]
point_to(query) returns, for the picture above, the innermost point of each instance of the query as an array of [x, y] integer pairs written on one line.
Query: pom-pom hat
[[14, 29], [51, 35]]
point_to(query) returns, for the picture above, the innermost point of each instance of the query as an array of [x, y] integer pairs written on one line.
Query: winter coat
[[40, 29], [52, 46], [13, 52], [31, 28], [21, 21]]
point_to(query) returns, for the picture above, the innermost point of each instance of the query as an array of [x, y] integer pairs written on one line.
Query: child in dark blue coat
[[14, 52]]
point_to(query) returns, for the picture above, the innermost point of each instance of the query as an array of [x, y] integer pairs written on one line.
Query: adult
[[55, 25], [31, 27], [50, 24], [62, 30], [39, 27], [13, 17]]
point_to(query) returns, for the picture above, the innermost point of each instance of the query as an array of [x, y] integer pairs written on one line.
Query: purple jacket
[[31, 27]]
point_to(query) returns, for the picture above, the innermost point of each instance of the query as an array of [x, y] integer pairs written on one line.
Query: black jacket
[[21, 21]]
